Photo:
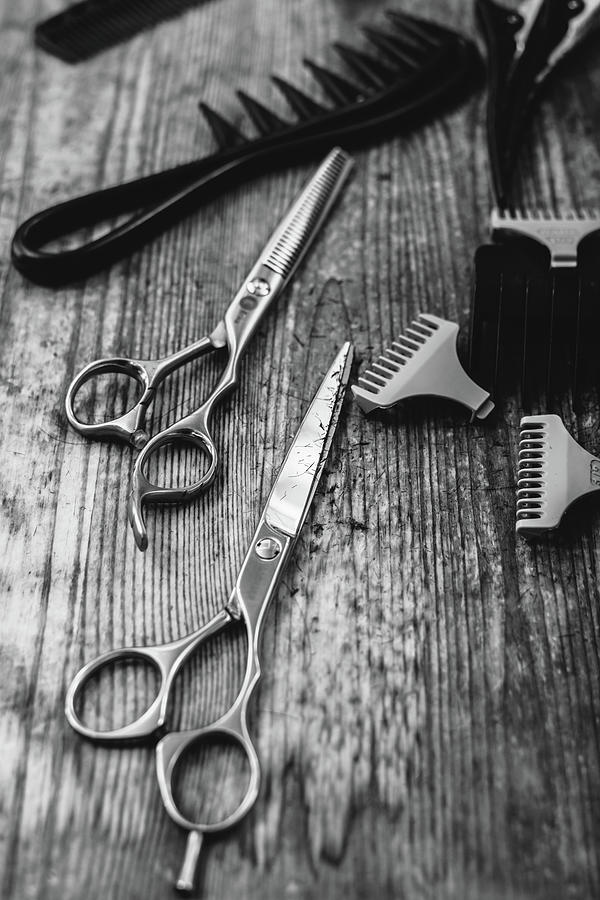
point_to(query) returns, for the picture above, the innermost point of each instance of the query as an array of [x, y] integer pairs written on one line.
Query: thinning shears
[[265, 282], [270, 548]]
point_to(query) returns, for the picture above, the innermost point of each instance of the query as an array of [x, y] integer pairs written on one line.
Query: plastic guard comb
[[417, 67], [535, 310], [554, 472], [423, 361]]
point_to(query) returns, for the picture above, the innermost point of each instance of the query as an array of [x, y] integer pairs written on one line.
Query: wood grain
[[428, 723]]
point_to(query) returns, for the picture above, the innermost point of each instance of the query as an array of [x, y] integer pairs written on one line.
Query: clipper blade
[[423, 361], [554, 472]]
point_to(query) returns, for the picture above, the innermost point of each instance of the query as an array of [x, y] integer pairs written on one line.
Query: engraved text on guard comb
[[554, 471], [423, 361]]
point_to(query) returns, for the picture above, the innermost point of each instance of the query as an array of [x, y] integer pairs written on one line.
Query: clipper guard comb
[[417, 66], [554, 472], [535, 305], [422, 362]]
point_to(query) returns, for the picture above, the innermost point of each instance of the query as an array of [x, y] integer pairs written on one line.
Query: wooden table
[[428, 720]]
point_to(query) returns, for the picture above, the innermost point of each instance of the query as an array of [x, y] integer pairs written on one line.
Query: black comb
[[87, 28], [419, 66]]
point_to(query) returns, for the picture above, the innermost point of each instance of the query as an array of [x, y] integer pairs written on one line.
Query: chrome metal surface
[[264, 283], [293, 492], [259, 575]]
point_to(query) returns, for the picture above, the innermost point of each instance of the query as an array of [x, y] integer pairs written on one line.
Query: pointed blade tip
[[294, 489]]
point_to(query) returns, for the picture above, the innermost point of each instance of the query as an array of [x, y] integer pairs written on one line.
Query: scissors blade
[[293, 236], [294, 489]]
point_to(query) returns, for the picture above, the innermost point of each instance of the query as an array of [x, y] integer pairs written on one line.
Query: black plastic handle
[[160, 200], [157, 201]]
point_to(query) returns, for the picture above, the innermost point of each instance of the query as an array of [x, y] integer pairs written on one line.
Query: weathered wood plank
[[428, 720]]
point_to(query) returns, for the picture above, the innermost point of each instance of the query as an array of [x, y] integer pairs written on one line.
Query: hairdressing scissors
[[269, 550], [265, 282], [525, 44]]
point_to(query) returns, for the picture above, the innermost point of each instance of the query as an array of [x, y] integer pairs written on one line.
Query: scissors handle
[[194, 430], [257, 581], [166, 659], [170, 751], [148, 374]]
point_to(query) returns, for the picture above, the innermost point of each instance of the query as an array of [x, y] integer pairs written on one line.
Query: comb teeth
[[368, 70], [533, 447], [528, 215], [224, 132], [561, 235], [338, 89], [400, 354], [408, 46], [391, 47], [424, 66], [264, 120], [554, 471], [303, 105], [422, 361], [425, 35]]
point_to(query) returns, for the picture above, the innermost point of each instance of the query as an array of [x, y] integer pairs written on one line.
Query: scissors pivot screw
[[259, 286], [268, 548], [139, 439]]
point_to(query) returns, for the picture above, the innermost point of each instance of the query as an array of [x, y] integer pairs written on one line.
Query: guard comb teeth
[[422, 361], [561, 236], [554, 472]]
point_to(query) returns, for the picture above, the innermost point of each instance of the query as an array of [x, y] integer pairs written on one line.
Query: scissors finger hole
[[117, 694], [106, 396], [212, 779], [179, 464]]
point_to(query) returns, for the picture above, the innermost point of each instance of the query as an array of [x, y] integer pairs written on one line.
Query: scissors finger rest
[[193, 434]]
